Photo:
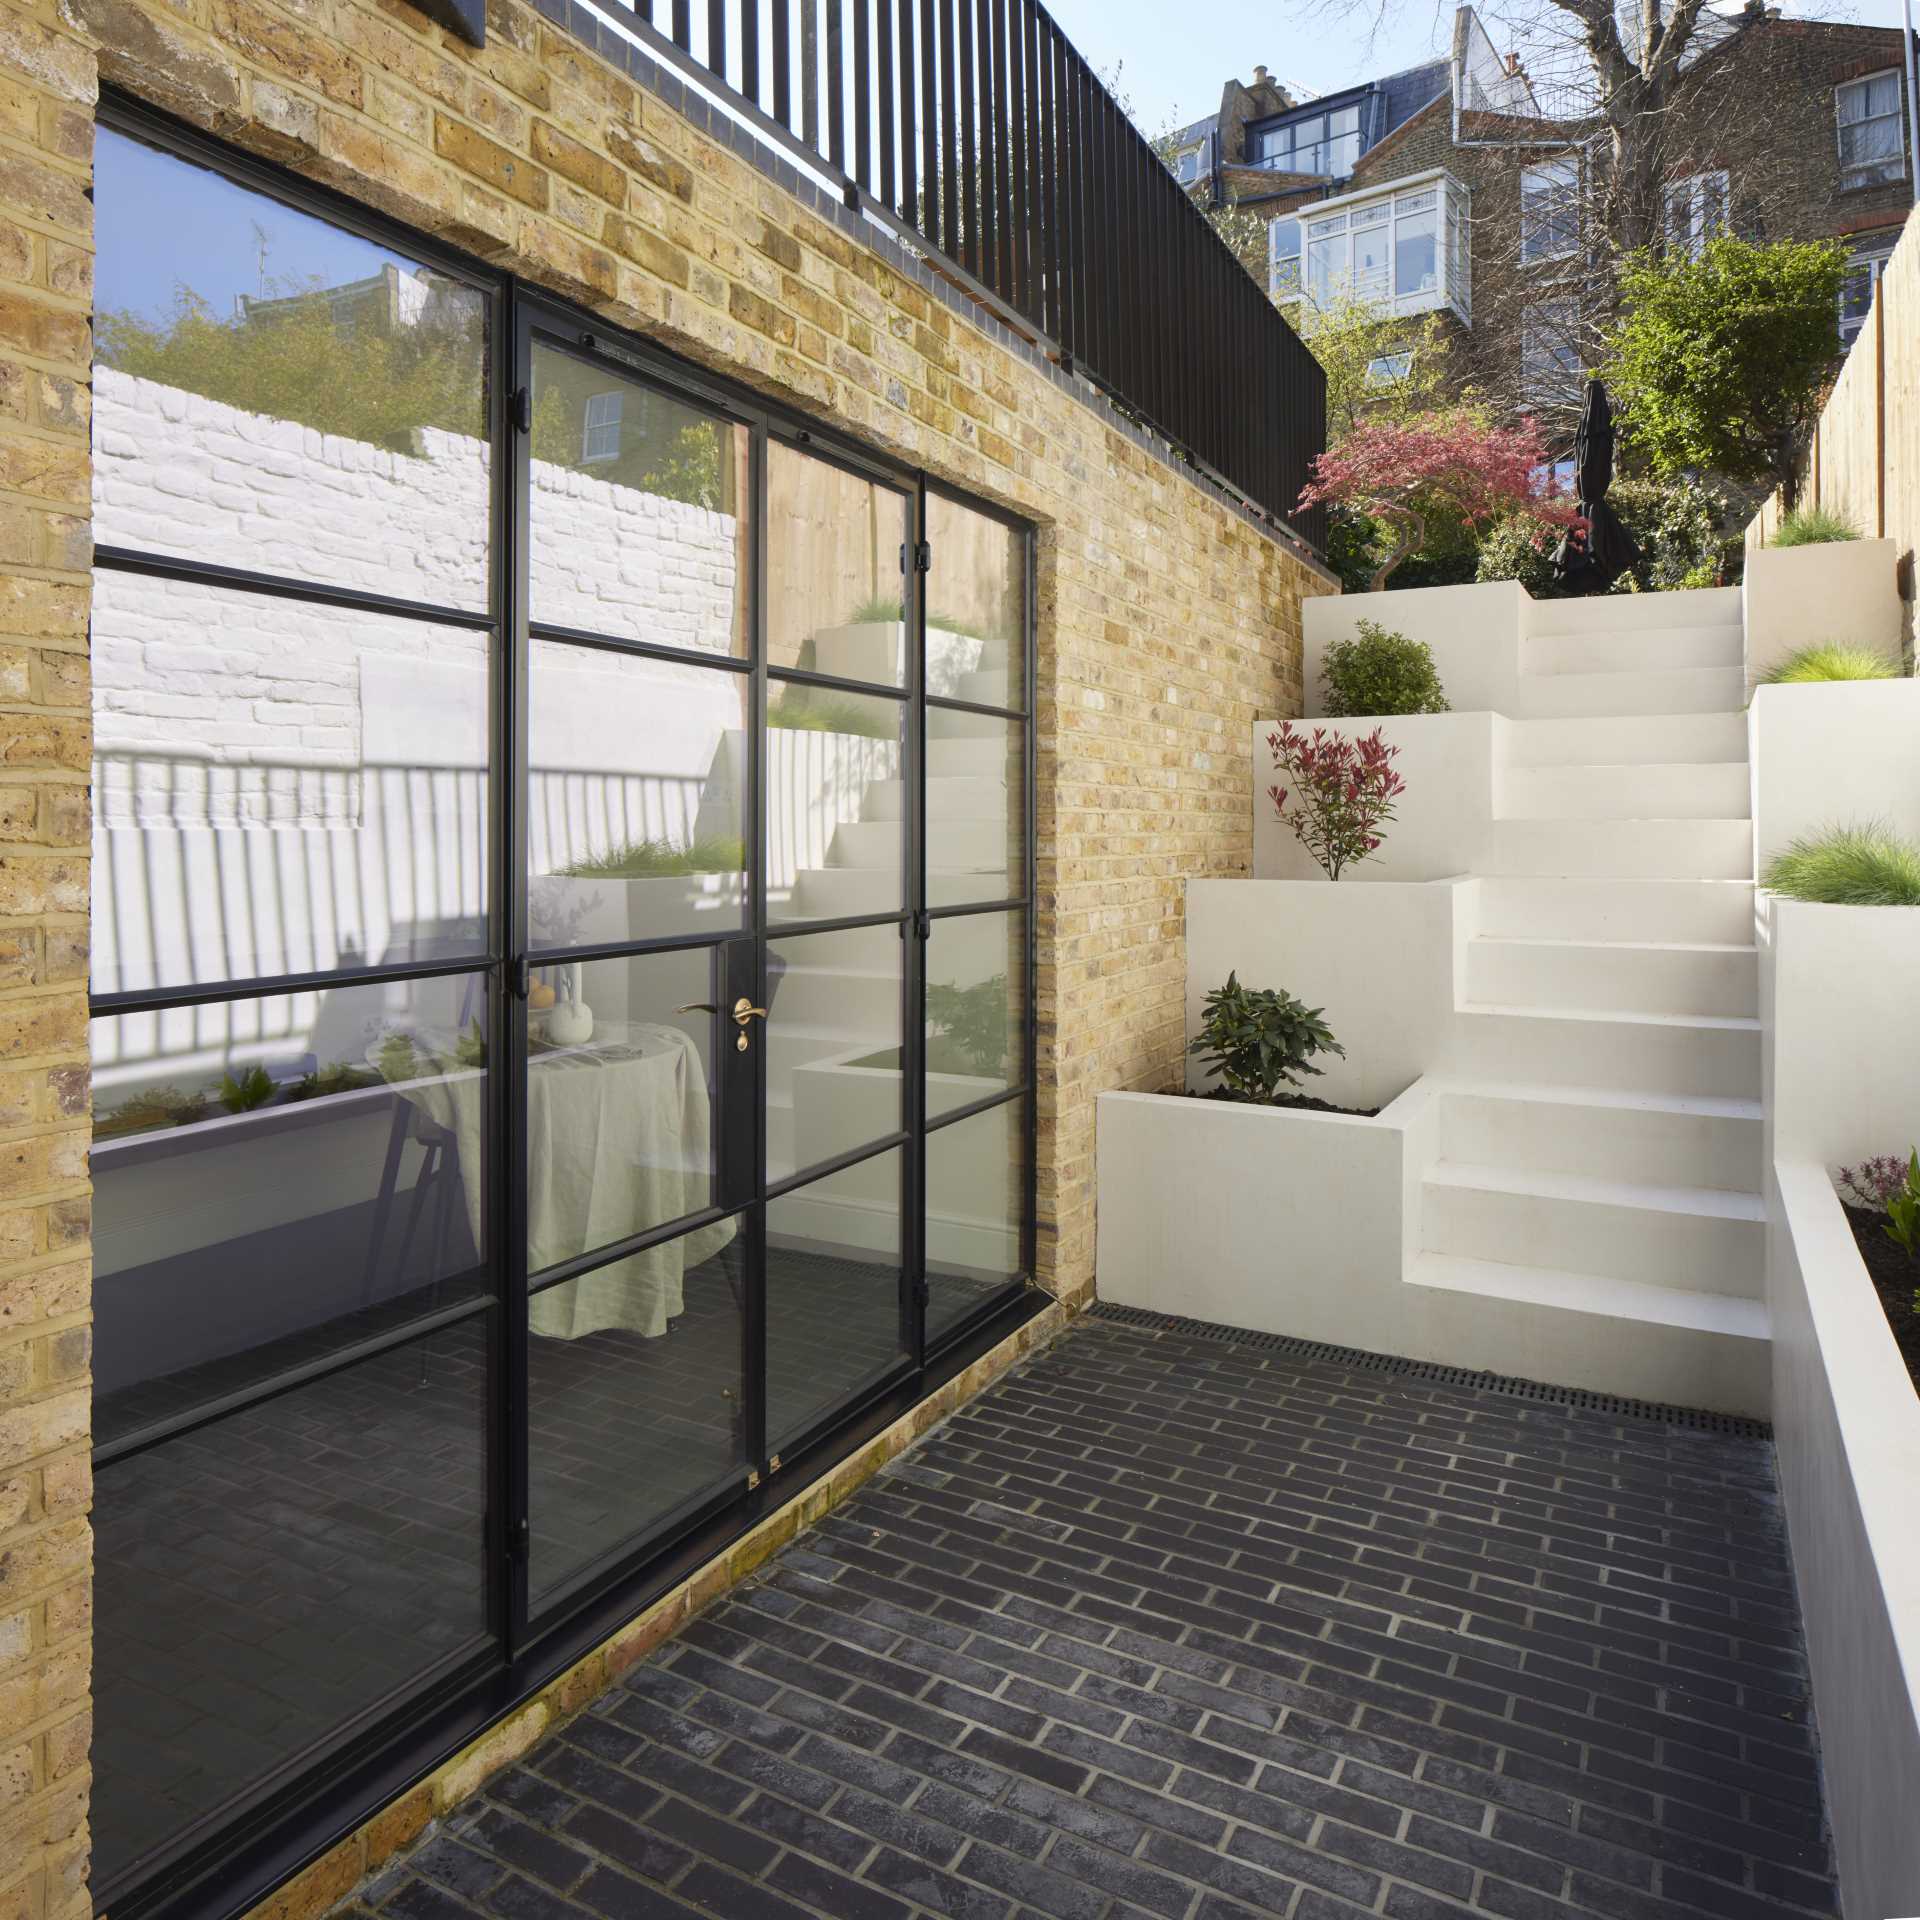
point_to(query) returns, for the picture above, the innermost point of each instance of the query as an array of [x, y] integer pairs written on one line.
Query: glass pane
[[281, 787], [1327, 276], [274, 1179], [976, 1196], [834, 1320], [636, 784], [836, 805], [636, 511], [626, 1427], [833, 1045], [976, 807], [1414, 245], [976, 607], [976, 1008], [261, 1580], [620, 1126], [276, 393], [833, 570]]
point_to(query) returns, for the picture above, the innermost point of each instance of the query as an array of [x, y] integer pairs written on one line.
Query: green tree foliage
[[1721, 360], [1349, 335], [300, 360]]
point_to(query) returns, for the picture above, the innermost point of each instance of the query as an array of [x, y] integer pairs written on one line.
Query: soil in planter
[[1300, 1102], [1894, 1278]]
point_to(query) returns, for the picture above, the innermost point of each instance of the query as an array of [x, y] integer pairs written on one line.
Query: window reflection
[[976, 1183]]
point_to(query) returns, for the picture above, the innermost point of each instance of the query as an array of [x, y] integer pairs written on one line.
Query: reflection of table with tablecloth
[[619, 1139]]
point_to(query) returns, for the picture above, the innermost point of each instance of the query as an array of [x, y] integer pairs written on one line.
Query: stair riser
[[836, 893], [1597, 695], [979, 757], [1622, 849], [1625, 613], [1717, 910], [960, 846], [1659, 649], [1649, 1147], [1611, 979], [949, 798], [1713, 791], [856, 1004], [1692, 1252], [1666, 739], [1541, 1050]]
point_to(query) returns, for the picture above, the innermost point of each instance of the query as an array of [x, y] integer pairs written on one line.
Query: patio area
[[1174, 1623]]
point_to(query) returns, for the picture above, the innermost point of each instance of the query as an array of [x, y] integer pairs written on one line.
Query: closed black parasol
[[1591, 559]]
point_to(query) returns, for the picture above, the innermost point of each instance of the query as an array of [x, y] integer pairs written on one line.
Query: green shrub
[[1830, 660], [1520, 549], [150, 1108], [973, 1019], [651, 859], [1812, 527], [1257, 1040], [1380, 672], [1676, 524], [808, 710], [1862, 865], [252, 1089]]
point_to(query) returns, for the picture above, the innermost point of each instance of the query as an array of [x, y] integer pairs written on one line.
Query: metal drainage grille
[[1696, 1419]]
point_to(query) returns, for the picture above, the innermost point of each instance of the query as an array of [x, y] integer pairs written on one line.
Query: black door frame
[[236, 1853]]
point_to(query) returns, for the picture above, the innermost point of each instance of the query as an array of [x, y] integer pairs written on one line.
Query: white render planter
[[1842, 590], [1474, 632], [1833, 751]]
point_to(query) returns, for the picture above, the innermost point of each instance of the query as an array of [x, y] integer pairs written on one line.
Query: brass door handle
[[744, 1010], [698, 1006]]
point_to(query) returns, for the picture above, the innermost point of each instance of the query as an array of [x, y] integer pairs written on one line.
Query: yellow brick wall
[[46, 281], [1167, 620]]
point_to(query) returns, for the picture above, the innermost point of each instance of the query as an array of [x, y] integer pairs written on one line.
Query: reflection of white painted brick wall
[[250, 681]]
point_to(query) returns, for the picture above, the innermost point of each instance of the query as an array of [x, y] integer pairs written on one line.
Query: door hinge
[[922, 1293], [773, 1464], [923, 924], [520, 1539], [522, 409], [753, 1479], [521, 980]]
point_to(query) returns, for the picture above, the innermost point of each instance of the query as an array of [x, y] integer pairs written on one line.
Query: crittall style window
[[1549, 210], [1872, 140], [1401, 252], [562, 1029]]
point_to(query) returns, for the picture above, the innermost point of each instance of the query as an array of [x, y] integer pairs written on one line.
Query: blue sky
[[1175, 58]]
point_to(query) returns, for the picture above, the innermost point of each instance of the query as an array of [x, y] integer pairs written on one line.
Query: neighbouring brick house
[[1450, 189], [495, 557]]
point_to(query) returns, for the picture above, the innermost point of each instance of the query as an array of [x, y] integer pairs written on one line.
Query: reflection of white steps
[[1662, 690], [1702, 1239], [979, 756], [1613, 976], [1649, 651], [955, 723], [949, 797], [970, 846], [1617, 909], [843, 998], [1647, 790], [1665, 738], [1624, 849]]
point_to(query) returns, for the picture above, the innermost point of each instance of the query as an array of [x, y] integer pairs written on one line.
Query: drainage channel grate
[[1696, 1419]]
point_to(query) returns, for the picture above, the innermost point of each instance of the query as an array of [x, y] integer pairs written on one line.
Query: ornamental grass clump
[[1380, 672], [1812, 527], [1258, 1040], [1830, 660], [1341, 792], [1861, 865]]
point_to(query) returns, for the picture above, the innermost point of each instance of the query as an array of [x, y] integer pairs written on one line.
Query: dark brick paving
[[1163, 1627]]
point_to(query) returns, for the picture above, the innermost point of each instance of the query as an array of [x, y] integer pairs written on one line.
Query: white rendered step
[[1639, 612], [1532, 907], [979, 757], [1544, 696], [1648, 790], [1616, 976], [956, 723], [1698, 1239], [1662, 738], [842, 999], [838, 893], [1715, 1059], [1643, 1138], [987, 686], [1621, 849], [1666, 1344], [1647, 650]]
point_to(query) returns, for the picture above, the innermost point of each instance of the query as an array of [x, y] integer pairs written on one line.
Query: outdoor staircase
[[1599, 1129]]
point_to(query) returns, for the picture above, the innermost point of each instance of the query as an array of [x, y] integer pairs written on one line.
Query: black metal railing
[[976, 126]]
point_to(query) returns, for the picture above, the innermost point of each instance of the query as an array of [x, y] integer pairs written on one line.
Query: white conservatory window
[[1549, 210], [601, 440], [1403, 251], [1283, 259], [1696, 209], [1872, 148]]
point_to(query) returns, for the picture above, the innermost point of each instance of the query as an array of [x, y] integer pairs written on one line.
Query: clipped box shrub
[[1379, 672]]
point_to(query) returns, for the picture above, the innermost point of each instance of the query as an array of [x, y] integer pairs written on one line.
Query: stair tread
[[1718, 1203], [1624, 946], [1619, 1299], [1550, 1093], [1732, 1022]]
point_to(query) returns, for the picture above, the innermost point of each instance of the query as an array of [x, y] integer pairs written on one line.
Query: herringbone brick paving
[[1164, 1626]]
